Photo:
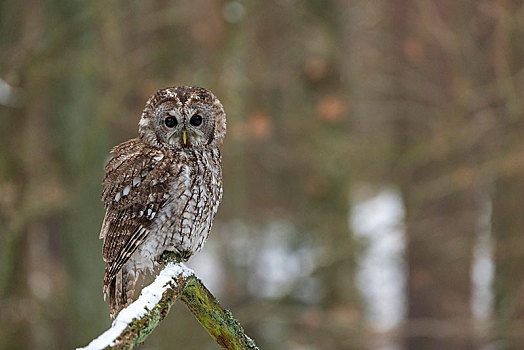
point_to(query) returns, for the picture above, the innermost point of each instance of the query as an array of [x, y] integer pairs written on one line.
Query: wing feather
[[135, 189]]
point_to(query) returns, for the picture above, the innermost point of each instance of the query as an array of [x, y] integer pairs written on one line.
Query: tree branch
[[176, 281]]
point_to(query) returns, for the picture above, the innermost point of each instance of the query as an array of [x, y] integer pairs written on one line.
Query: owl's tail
[[120, 290]]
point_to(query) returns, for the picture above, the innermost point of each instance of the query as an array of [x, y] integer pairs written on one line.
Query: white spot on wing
[[136, 181], [117, 197], [126, 190], [159, 157]]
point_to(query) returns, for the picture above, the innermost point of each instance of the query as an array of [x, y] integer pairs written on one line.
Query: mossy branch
[[176, 281]]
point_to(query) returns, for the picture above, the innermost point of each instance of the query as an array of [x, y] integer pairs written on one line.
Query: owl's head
[[183, 117]]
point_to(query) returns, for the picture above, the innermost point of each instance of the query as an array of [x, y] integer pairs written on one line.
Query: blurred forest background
[[373, 167]]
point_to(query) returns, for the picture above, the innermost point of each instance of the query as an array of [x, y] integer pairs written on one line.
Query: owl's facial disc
[[179, 139], [186, 126], [184, 137], [187, 137]]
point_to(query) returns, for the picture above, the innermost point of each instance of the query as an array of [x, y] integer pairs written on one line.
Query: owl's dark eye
[[170, 122], [196, 120]]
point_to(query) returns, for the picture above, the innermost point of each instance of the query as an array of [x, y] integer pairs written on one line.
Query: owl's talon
[[169, 256]]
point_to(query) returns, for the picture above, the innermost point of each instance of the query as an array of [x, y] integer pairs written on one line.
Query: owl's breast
[[195, 193]]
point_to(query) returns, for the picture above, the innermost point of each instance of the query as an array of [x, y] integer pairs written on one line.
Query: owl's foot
[[170, 256]]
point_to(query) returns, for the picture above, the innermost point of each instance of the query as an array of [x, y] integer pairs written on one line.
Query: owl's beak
[[184, 137]]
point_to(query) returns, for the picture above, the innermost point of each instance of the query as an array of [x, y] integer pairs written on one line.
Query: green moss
[[218, 322]]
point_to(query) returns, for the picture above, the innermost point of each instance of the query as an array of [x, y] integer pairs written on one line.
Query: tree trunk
[[508, 208], [434, 172]]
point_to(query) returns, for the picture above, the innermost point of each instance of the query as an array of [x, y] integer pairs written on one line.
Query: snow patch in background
[[483, 268], [274, 258], [5, 93], [9, 95], [279, 265], [209, 267], [377, 219]]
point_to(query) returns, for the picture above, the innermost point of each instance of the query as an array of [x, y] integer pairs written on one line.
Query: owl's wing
[[135, 189]]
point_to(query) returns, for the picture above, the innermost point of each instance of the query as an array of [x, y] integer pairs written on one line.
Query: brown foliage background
[[324, 98]]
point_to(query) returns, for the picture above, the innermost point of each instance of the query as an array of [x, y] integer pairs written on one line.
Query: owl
[[162, 189]]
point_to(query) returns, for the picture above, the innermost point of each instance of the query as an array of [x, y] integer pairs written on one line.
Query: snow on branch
[[176, 281]]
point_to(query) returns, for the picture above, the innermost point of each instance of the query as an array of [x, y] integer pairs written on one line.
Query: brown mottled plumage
[[161, 189]]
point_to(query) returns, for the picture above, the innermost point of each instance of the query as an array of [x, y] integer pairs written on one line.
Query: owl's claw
[[177, 256]]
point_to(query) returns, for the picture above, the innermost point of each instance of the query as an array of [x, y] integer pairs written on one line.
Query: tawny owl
[[161, 189]]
